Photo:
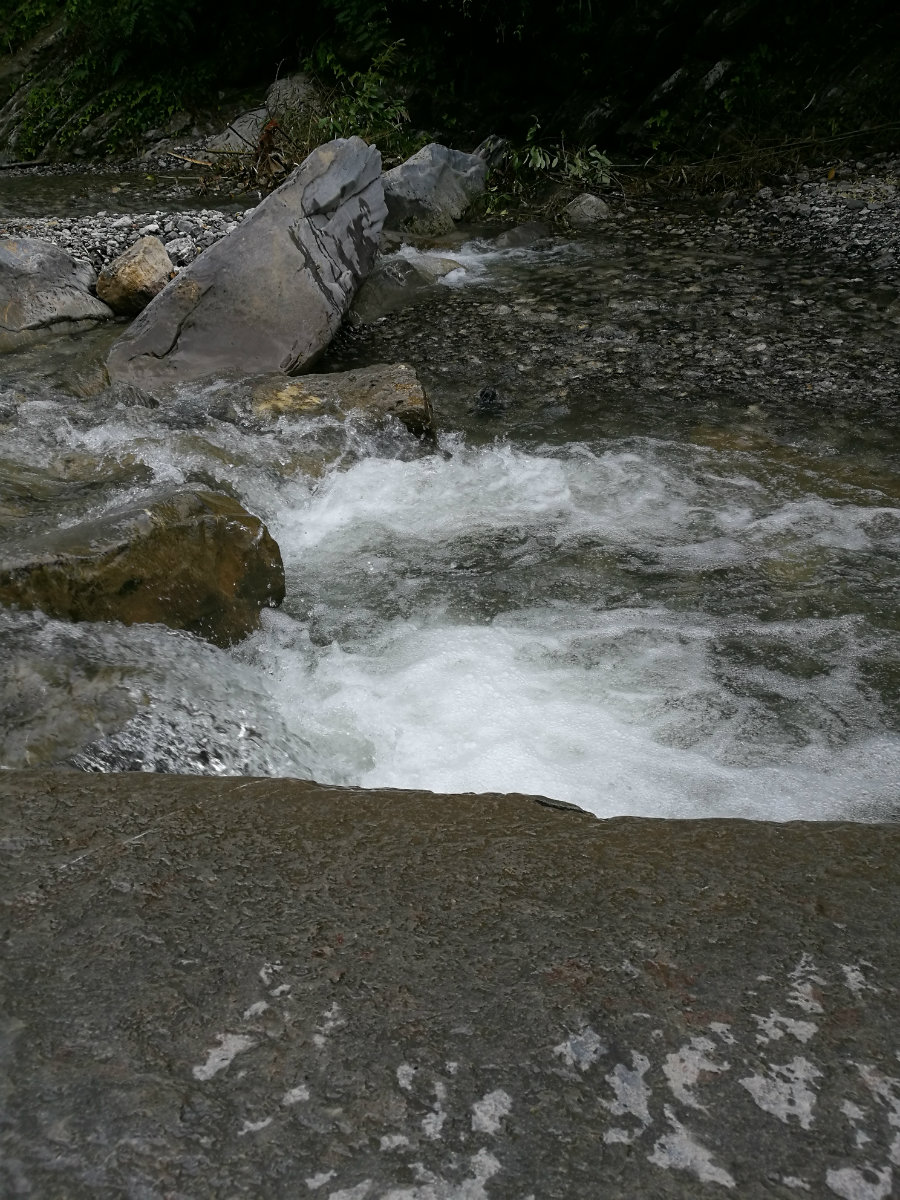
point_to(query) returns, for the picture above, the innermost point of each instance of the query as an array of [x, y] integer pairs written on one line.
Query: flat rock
[[44, 291], [383, 390], [271, 294], [190, 559], [432, 189], [239, 987], [131, 281]]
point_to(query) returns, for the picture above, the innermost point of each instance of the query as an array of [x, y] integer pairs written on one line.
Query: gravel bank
[[102, 237], [849, 211]]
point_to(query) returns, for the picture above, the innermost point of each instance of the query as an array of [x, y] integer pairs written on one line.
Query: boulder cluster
[[258, 297]]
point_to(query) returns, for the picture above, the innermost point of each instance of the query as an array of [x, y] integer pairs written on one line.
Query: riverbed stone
[[187, 558], [432, 189], [272, 293], [384, 390], [131, 281], [241, 986], [395, 282], [44, 291], [241, 135], [586, 212]]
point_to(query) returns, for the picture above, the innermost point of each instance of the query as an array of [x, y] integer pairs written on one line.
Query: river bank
[[846, 210]]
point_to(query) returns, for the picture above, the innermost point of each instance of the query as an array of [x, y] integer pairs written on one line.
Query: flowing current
[[662, 580]]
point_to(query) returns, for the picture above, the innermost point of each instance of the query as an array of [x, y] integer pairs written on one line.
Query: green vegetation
[[659, 78], [24, 20]]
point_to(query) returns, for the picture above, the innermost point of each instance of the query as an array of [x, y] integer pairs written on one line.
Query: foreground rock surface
[[383, 390], [271, 295], [190, 559], [44, 291], [290, 988]]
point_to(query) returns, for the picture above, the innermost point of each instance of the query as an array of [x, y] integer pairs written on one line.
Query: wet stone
[[404, 994], [188, 558]]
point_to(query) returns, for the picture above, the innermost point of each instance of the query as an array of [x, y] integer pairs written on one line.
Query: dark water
[[35, 195]]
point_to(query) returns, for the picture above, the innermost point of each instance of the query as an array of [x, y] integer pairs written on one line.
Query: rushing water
[[662, 581]]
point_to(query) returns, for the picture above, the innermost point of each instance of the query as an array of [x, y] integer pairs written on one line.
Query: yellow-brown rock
[[384, 390], [130, 282], [189, 558]]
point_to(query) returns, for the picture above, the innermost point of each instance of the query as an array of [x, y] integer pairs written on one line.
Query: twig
[[196, 161]]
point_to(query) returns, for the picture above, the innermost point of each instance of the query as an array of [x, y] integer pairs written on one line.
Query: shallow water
[[663, 581], [78, 195]]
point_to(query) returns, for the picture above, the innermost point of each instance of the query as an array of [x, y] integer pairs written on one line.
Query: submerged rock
[[131, 281], [489, 403], [383, 390], [44, 291], [522, 236], [189, 559], [271, 294], [395, 282], [432, 189]]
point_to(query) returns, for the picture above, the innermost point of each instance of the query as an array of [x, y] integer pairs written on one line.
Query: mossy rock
[[383, 390], [189, 559]]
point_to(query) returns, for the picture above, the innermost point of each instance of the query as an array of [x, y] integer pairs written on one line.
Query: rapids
[[663, 581]]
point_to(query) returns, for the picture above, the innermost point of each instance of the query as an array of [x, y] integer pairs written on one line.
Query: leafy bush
[[539, 169], [24, 20]]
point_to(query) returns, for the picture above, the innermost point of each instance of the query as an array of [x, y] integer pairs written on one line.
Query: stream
[[663, 580]]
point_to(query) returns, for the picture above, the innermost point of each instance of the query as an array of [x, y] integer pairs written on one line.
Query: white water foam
[[630, 709], [603, 624], [476, 261]]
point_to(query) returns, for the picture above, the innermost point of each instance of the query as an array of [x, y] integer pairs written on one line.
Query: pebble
[[853, 216], [105, 236]]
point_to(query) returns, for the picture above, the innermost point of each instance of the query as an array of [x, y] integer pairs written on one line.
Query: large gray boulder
[[271, 295], [431, 190], [43, 291]]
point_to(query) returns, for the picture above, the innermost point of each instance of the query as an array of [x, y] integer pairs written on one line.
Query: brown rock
[[190, 559], [130, 281], [383, 390]]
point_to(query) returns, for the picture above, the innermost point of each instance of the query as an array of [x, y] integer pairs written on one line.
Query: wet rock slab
[[241, 987]]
